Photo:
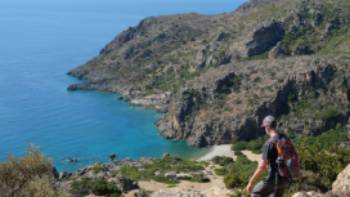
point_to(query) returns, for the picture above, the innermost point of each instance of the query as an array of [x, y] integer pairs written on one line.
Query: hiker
[[280, 158]]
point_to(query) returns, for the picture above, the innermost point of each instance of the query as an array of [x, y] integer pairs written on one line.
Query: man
[[274, 184]]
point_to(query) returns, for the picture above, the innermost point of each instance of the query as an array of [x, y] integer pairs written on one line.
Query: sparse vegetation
[[158, 169], [254, 145], [97, 168], [222, 160], [327, 114], [31, 175], [240, 172], [98, 186]]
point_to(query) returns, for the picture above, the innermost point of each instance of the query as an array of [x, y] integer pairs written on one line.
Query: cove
[[40, 42]]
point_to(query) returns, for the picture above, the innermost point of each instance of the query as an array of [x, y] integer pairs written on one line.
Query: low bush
[[254, 145], [328, 114], [240, 172], [157, 168], [98, 186], [31, 175], [322, 158], [97, 168], [222, 160]]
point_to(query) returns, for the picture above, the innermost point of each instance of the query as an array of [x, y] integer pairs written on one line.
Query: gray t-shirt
[[269, 152]]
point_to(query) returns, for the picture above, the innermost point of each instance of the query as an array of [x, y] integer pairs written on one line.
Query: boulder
[[171, 175], [308, 194], [126, 184], [64, 175], [341, 186], [183, 176], [113, 157]]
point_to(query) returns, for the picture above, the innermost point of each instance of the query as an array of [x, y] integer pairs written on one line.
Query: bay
[[42, 40]]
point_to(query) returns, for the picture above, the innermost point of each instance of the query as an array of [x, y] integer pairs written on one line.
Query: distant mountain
[[216, 77]]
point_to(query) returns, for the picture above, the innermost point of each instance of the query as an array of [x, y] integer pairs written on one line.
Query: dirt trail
[[252, 156], [215, 187]]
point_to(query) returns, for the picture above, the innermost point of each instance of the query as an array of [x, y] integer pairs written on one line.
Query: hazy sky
[[165, 6]]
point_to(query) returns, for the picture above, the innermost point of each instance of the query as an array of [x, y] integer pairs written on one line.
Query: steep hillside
[[216, 77]]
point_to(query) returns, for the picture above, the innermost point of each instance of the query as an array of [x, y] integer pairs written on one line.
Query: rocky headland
[[215, 77]]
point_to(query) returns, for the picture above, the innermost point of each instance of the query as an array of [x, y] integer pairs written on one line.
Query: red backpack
[[287, 159]]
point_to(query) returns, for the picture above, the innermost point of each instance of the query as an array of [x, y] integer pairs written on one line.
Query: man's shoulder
[[273, 140]]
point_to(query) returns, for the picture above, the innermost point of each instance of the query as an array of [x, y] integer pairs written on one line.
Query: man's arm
[[258, 172]]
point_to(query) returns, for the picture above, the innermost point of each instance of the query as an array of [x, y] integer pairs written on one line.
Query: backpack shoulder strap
[[277, 145]]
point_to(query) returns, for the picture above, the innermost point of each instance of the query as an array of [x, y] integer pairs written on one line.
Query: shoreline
[[218, 150]]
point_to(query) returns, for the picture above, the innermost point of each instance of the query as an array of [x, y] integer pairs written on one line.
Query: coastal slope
[[215, 77]]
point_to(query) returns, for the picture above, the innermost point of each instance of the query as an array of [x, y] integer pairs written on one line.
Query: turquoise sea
[[39, 42]]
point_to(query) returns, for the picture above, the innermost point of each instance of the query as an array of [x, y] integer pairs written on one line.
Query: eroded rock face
[[221, 107], [265, 38]]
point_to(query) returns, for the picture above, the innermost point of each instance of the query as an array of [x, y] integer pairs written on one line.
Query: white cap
[[268, 120]]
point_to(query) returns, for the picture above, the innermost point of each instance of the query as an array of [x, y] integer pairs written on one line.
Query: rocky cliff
[[216, 77]]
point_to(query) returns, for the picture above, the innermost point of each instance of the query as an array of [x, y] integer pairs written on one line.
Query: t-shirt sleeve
[[265, 151]]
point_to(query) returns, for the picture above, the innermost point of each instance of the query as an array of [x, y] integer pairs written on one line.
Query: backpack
[[287, 158]]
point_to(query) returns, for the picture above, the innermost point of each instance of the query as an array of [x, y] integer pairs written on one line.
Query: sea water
[[40, 41]]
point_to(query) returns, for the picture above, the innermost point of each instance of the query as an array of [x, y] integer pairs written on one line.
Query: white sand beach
[[218, 150]]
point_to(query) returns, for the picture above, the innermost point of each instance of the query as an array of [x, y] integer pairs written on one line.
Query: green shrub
[[101, 187], [239, 193], [133, 173], [80, 187], [222, 160], [239, 146], [200, 178], [42, 187], [97, 168], [98, 186], [254, 145], [31, 175], [220, 171], [328, 114], [162, 166], [322, 159], [261, 56], [240, 172]]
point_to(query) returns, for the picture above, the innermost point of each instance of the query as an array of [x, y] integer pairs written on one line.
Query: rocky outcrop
[[340, 188], [156, 101], [126, 184], [215, 77], [130, 175], [265, 38], [309, 194], [207, 112]]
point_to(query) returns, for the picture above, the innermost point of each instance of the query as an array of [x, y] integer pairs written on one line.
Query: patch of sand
[[218, 150], [252, 156]]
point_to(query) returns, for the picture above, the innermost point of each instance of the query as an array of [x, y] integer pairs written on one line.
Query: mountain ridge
[[215, 77]]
